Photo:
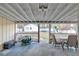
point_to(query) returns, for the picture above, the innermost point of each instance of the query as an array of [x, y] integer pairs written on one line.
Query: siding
[[7, 30]]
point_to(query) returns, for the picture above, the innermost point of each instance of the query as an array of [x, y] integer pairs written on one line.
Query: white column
[[49, 33]]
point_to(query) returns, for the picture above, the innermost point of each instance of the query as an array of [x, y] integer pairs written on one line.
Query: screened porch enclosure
[[43, 31]]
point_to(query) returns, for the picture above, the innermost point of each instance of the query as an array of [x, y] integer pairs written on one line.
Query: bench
[[9, 44]]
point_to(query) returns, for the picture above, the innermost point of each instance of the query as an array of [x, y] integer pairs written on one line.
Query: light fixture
[[43, 6]]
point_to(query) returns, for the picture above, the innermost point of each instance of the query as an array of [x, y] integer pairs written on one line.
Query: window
[[64, 28], [27, 30]]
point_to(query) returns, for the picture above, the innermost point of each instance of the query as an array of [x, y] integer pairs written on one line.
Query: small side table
[[64, 41]]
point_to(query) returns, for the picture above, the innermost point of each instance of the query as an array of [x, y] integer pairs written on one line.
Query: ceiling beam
[[72, 17], [8, 12], [52, 16], [46, 22], [24, 13], [8, 16], [69, 13], [50, 10], [59, 10], [11, 8], [31, 11], [64, 12]]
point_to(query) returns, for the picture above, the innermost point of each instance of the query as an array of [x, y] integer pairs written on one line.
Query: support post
[[38, 33]]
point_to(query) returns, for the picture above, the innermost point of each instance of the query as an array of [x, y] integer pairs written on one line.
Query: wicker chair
[[72, 41]]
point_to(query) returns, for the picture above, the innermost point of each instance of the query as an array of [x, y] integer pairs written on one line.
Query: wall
[[7, 30]]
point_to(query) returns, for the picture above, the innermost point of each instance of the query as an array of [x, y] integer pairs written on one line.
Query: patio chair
[[72, 41], [55, 42]]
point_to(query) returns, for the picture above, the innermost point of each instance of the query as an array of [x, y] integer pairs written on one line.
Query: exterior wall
[[4, 29], [7, 30], [1, 34]]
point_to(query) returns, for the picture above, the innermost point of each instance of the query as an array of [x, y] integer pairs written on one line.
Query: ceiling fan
[[43, 7]]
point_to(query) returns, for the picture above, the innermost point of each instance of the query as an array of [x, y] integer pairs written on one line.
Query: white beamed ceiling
[[31, 12]]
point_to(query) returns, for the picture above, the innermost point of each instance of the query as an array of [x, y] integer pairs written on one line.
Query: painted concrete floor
[[38, 49]]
